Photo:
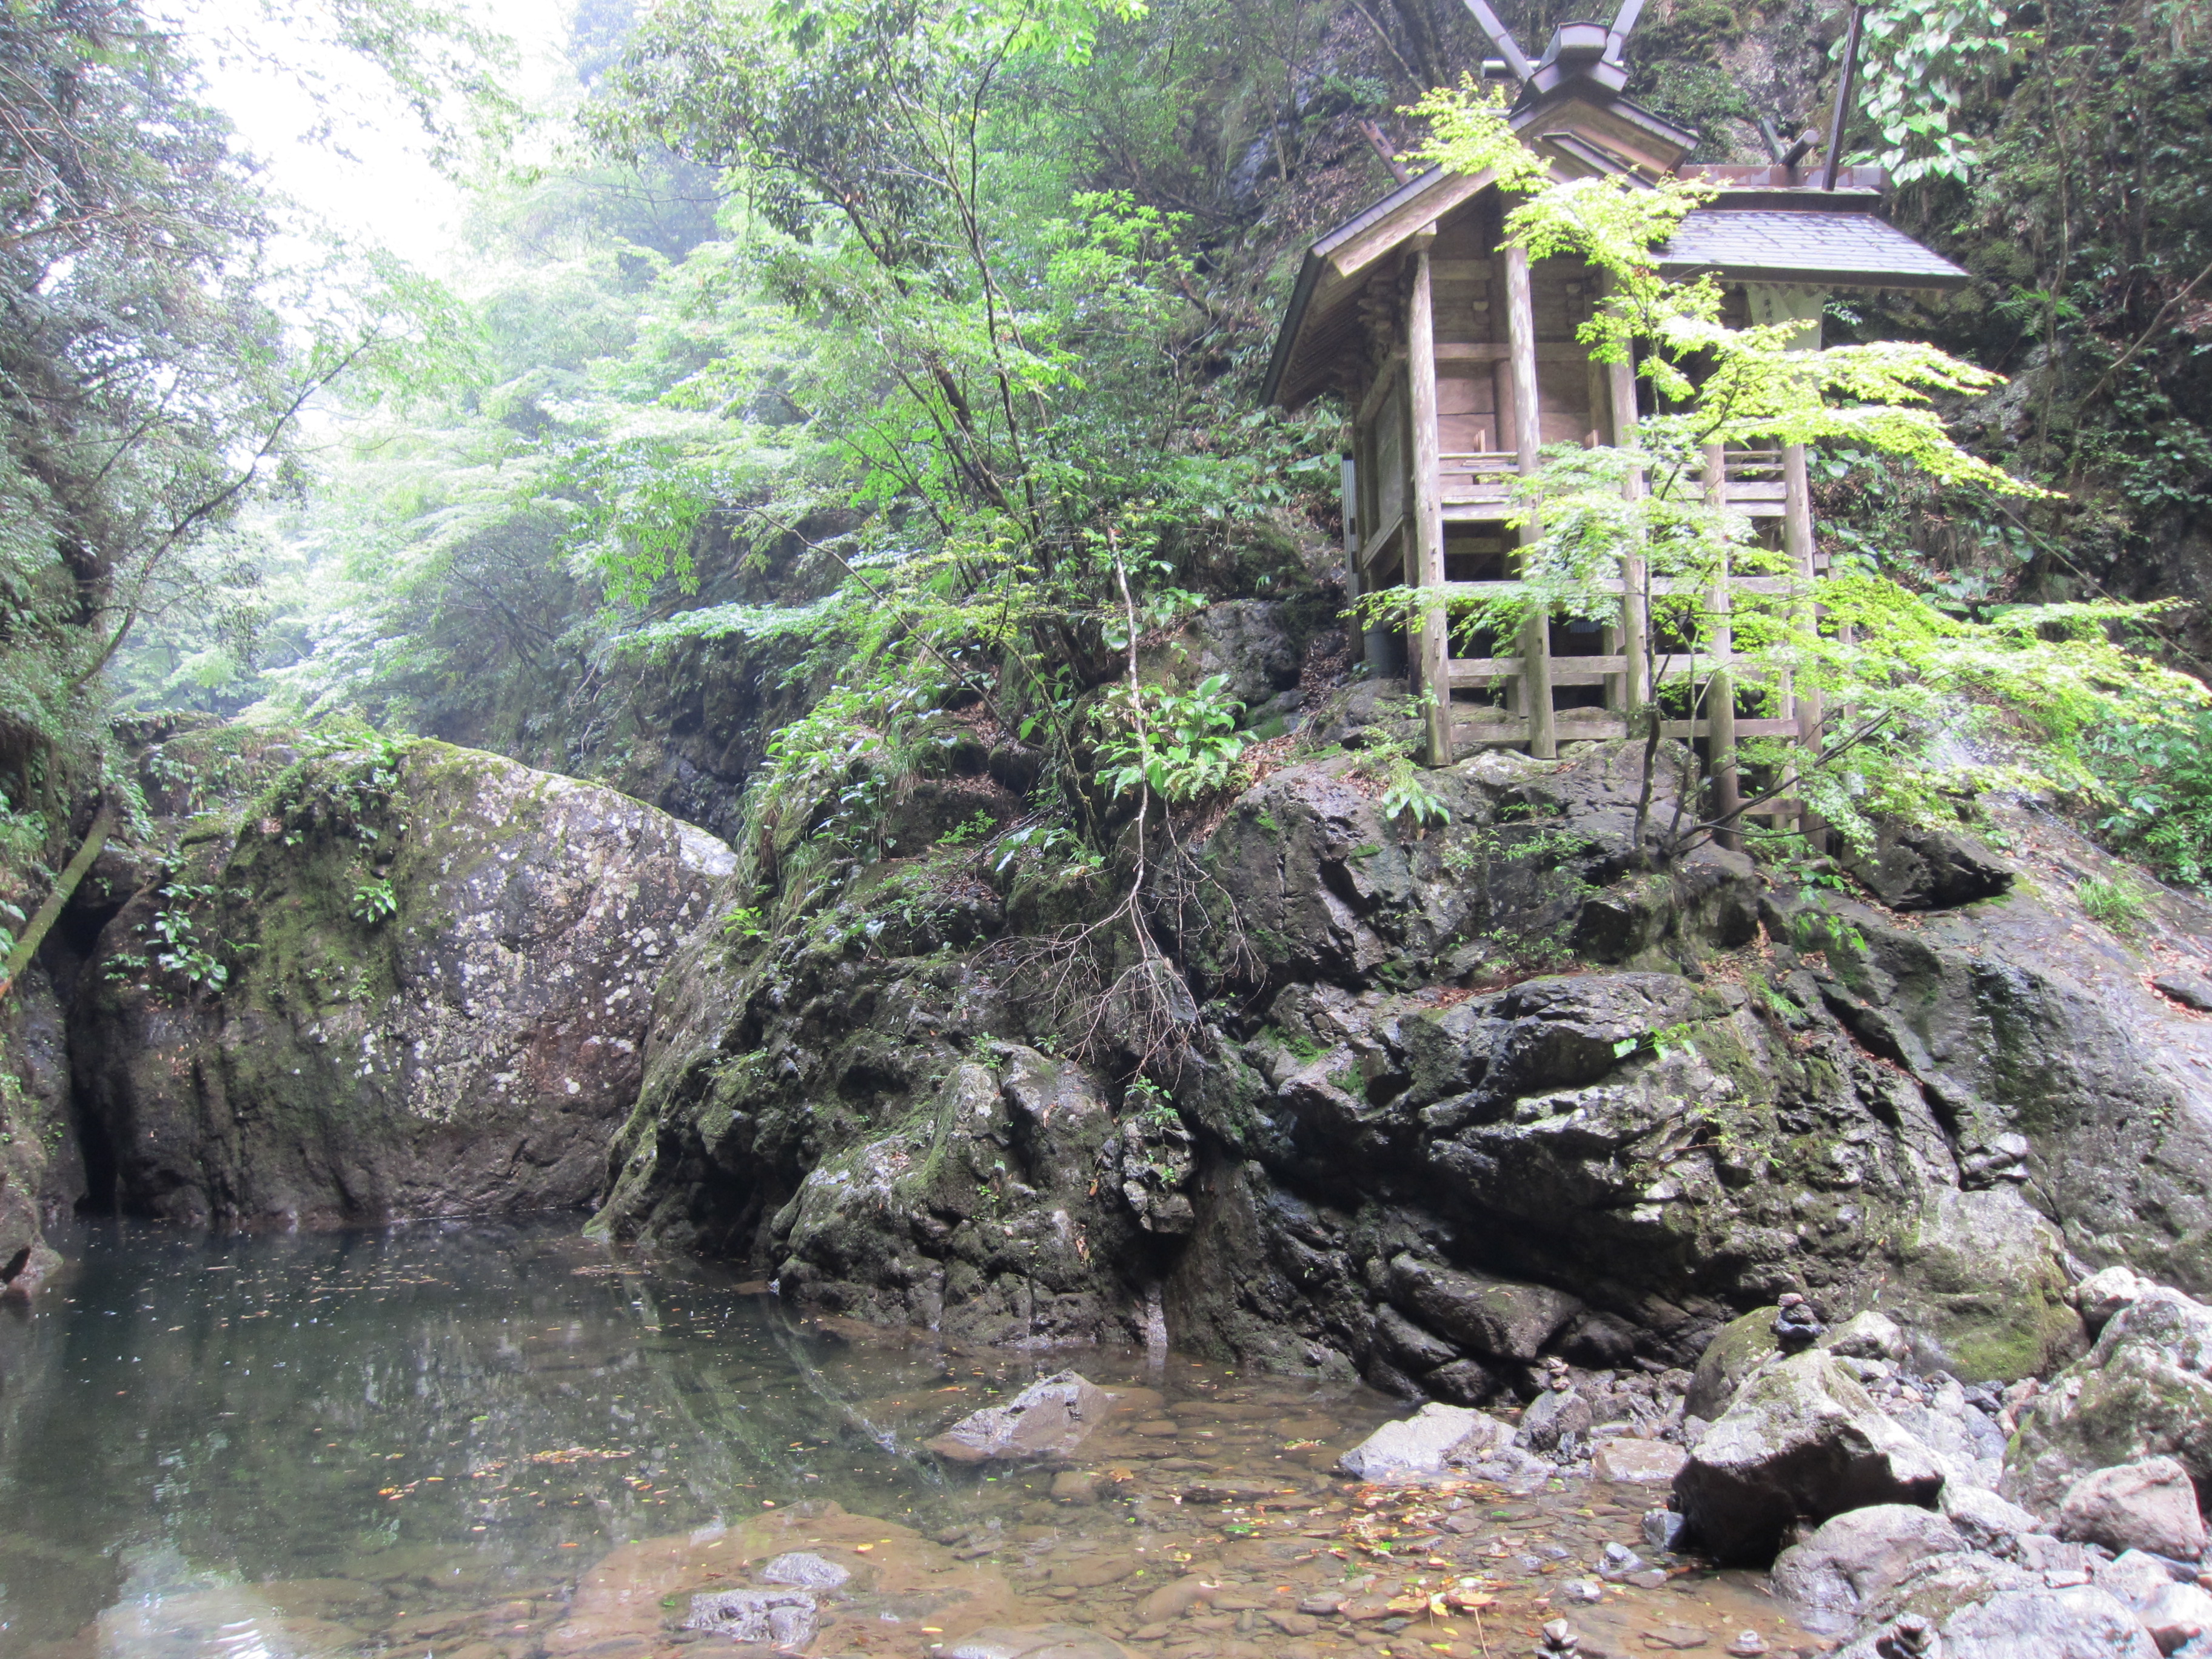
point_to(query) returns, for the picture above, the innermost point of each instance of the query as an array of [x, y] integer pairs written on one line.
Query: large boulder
[[1493, 1316], [407, 980], [2144, 1390], [1801, 1441], [1857, 1555], [1439, 1442], [1970, 1607], [2081, 1622], [2146, 1505]]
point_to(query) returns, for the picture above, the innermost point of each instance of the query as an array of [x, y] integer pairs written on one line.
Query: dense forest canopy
[[917, 347]]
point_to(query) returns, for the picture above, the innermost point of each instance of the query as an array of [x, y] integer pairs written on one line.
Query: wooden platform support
[[1426, 566], [1798, 545], [1535, 684], [1635, 625], [1720, 685]]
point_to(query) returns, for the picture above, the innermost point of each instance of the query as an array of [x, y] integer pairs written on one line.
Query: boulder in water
[[1036, 1642], [1802, 1441], [1630, 1462], [805, 1569], [1441, 1442], [1048, 1419]]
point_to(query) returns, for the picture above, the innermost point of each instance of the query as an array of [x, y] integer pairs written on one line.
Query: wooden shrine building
[[1458, 360]]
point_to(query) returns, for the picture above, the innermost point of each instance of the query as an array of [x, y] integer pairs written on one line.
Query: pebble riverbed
[[503, 1443]]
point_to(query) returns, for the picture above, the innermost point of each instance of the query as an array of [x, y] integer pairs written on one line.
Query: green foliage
[[174, 945], [1408, 796], [1151, 1105], [2114, 902], [1053, 849], [374, 901], [1181, 744], [1469, 133], [1919, 64], [2157, 776], [1658, 1043], [1388, 760], [980, 828]]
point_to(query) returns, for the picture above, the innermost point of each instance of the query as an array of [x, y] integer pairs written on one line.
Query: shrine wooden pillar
[[1535, 677], [1635, 622], [1720, 681], [1426, 566]]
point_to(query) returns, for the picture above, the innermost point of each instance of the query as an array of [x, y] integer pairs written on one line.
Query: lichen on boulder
[[417, 981]]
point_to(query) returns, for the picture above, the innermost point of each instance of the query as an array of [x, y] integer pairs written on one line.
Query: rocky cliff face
[[401, 980], [40, 1173], [1452, 1103], [1456, 1100]]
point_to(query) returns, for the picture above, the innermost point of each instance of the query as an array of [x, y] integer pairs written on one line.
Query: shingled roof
[[1826, 248]]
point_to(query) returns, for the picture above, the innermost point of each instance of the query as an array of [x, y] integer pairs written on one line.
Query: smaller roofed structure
[[1459, 361]]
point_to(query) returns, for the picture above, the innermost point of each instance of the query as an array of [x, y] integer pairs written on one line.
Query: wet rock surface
[[41, 1170]]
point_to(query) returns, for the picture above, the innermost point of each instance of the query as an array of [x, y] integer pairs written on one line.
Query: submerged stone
[[805, 1569], [750, 1616]]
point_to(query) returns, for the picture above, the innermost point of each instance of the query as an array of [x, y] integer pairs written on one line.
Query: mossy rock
[[440, 970], [1981, 1288], [1737, 1349]]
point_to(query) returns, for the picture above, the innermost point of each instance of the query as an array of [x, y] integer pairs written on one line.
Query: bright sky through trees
[[371, 180]]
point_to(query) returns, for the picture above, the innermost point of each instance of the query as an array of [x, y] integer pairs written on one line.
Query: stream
[[502, 1441]]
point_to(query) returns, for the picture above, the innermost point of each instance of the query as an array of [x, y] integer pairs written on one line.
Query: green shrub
[[2161, 777], [2117, 903]]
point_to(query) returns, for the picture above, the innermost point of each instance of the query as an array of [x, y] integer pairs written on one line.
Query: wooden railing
[[1756, 481], [1480, 476]]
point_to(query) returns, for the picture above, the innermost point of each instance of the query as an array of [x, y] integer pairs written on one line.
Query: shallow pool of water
[[502, 1442]]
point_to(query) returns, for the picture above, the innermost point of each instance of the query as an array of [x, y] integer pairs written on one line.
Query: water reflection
[[180, 1416], [502, 1442]]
